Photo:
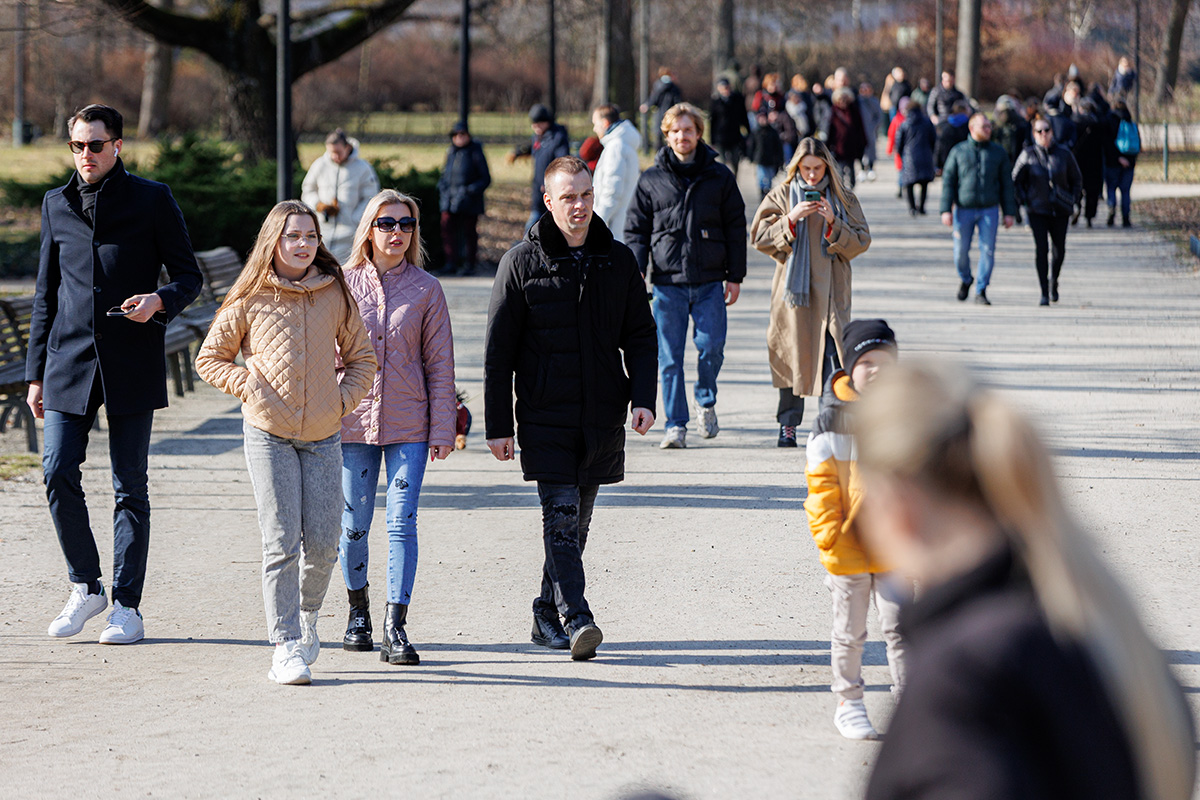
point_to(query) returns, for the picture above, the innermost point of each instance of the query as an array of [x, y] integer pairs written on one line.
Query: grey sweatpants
[[298, 489], [851, 601]]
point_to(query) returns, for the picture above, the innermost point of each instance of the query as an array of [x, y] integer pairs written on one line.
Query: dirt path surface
[[713, 677]]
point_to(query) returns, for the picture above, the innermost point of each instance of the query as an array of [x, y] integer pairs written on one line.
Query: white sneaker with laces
[[852, 721], [675, 439], [125, 626], [80, 607], [310, 645], [288, 667], [706, 420]]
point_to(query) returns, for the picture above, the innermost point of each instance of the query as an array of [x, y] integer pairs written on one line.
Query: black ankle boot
[[1112, 215], [549, 632], [395, 648], [358, 627]]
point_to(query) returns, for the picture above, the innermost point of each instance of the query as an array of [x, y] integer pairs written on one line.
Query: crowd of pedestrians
[[344, 364]]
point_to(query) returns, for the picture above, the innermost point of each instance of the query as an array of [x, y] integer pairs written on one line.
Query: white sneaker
[[80, 607], [125, 626], [676, 439], [288, 667], [852, 721], [310, 645], [870, 174], [706, 420]]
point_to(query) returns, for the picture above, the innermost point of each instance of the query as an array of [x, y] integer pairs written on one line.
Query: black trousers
[[566, 516], [1054, 227], [912, 203], [791, 407]]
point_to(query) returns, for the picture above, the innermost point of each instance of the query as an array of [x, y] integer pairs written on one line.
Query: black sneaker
[[981, 298], [549, 633], [787, 436], [963, 290], [584, 641]]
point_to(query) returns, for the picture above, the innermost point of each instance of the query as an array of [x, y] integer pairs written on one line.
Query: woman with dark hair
[[1121, 148], [915, 142], [1092, 135], [845, 135]]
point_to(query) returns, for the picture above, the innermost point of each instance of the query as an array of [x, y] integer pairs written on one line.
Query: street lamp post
[[283, 103], [464, 64]]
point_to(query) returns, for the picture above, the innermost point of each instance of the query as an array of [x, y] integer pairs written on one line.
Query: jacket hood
[[551, 243], [705, 156], [839, 393], [622, 131], [307, 284]]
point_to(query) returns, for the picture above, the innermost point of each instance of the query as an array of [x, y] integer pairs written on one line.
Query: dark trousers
[[460, 238], [731, 157], [912, 202], [66, 440], [791, 408], [566, 515], [1054, 227], [1093, 186], [847, 168]]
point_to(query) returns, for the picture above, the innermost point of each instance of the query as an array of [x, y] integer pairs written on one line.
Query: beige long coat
[[796, 336]]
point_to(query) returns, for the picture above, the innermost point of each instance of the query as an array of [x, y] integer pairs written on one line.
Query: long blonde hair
[[932, 425], [261, 261], [815, 147], [362, 250]]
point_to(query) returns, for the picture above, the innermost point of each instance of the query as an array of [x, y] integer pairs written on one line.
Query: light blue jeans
[[965, 222], [360, 479], [705, 304]]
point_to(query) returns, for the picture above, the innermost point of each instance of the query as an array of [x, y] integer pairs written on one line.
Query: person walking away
[[663, 96], [338, 185], [549, 142], [687, 230], [285, 315], [915, 143], [406, 418], [730, 127], [1048, 182], [812, 226], [1059, 117], [951, 131], [465, 177], [872, 117], [942, 99], [1012, 132], [96, 338], [616, 174], [845, 135], [893, 129], [853, 575], [570, 330], [1092, 133], [1020, 634], [976, 186], [766, 151], [1121, 150]]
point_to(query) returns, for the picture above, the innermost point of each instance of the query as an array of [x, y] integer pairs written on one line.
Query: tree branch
[[328, 44], [180, 30]]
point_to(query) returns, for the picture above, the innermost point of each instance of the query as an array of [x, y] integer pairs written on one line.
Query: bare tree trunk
[[156, 84], [604, 42], [722, 37], [615, 75], [966, 64], [1168, 65]]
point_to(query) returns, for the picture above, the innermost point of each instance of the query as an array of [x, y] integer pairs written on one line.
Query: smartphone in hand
[[812, 196], [117, 311]]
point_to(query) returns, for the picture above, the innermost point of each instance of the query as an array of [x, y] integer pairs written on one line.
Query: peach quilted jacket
[[412, 396], [287, 333]]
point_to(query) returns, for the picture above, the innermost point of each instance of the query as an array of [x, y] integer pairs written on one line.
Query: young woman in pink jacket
[[407, 416]]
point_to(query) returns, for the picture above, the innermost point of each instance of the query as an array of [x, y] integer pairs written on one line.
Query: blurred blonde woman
[[285, 315], [1029, 673], [407, 417], [812, 225]]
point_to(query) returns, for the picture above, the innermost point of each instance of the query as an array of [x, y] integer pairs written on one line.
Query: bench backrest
[[15, 313], [221, 268]]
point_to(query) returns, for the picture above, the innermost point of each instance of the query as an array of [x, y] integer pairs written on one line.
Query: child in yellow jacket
[[834, 498]]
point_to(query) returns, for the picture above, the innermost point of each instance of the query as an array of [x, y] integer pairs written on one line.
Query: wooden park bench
[[220, 268], [15, 314]]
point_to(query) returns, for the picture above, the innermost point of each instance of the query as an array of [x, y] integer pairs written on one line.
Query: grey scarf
[[798, 276]]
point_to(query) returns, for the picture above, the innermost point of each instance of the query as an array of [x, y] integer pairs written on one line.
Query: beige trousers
[[851, 601]]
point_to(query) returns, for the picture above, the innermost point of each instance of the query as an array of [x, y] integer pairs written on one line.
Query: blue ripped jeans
[[360, 479]]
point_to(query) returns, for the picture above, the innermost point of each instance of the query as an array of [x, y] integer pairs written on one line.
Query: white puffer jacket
[[352, 183], [617, 176]]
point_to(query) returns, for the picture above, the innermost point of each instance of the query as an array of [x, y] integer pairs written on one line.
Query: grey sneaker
[[310, 645], [675, 439], [706, 419]]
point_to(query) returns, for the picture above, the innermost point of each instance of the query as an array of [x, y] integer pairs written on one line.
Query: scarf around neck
[[797, 279]]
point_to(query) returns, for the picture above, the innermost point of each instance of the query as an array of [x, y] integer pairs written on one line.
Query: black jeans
[[731, 156], [912, 202], [566, 515], [791, 407], [1053, 226], [66, 441], [460, 238]]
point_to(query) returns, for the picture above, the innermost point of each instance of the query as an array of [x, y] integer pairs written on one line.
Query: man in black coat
[[730, 124], [689, 216], [96, 337], [464, 179], [569, 320]]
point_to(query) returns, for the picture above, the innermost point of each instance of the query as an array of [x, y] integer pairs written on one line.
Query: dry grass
[[1176, 218], [17, 465], [1184, 167]]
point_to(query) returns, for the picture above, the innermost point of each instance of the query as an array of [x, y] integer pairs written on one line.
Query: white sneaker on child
[[310, 645], [852, 721], [80, 607], [288, 667]]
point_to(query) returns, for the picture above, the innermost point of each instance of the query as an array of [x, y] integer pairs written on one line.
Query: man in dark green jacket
[[976, 185]]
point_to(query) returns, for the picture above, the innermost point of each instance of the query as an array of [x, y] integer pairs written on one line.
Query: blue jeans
[[965, 222], [360, 479], [705, 304], [1115, 178], [765, 176], [66, 441]]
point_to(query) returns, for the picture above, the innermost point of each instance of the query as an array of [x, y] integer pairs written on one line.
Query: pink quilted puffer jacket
[[294, 383], [412, 396]]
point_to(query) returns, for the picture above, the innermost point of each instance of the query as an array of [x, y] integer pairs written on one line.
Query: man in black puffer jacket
[[569, 319], [688, 216]]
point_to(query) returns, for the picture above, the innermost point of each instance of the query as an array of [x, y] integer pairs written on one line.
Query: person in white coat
[[338, 186], [618, 168]]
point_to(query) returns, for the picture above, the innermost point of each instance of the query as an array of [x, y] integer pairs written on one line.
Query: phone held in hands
[[117, 311], [812, 196]]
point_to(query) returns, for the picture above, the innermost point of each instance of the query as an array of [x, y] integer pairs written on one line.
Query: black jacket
[[1113, 156], [465, 176], [84, 271], [582, 347], [1091, 132], [1036, 169], [996, 707], [728, 123], [941, 101], [552, 144], [691, 219], [916, 140], [766, 147]]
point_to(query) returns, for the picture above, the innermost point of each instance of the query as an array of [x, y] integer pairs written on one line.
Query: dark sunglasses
[[1041, 130], [95, 145], [387, 224]]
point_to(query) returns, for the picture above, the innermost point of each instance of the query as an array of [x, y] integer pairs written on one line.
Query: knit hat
[[459, 127], [539, 113], [862, 336]]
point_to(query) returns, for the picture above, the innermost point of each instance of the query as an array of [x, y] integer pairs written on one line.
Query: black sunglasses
[[1041, 130], [387, 224], [95, 145]]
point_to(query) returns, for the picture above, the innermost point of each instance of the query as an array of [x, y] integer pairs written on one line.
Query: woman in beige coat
[[810, 296]]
